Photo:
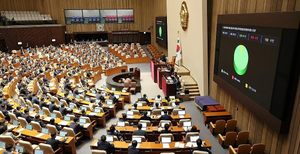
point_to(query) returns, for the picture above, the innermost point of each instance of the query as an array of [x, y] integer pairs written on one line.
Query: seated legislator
[[112, 131], [8, 149], [144, 98], [54, 142], [139, 131], [5, 132], [124, 116], [145, 117], [38, 120], [26, 115], [167, 126], [104, 145], [177, 106], [132, 149], [75, 125], [166, 116], [200, 148]]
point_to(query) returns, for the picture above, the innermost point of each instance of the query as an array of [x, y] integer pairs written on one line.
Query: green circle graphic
[[160, 31], [240, 60]]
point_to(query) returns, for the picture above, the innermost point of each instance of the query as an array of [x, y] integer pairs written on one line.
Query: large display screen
[[161, 31], [248, 60]]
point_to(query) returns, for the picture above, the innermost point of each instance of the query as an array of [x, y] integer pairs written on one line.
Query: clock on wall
[[184, 16], [100, 27]]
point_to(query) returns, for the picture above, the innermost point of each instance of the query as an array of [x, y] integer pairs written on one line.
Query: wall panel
[[259, 131]]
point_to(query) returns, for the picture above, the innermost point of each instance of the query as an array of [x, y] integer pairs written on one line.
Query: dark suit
[[52, 107], [165, 131], [63, 111], [166, 117], [140, 132], [118, 134], [201, 149], [76, 127], [35, 100], [29, 97], [55, 143], [105, 146], [40, 122], [18, 114], [23, 91], [42, 104], [145, 118], [133, 150], [27, 117]]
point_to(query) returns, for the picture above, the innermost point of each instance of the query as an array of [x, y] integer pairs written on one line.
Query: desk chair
[[189, 134], [72, 133], [12, 117], [228, 139], [55, 99], [36, 126], [146, 121], [2, 115], [183, 120], [37, 108], [58, 114], [98, 152], [166, 135], [22, 121], [200, 152], [143, 137], [126, 86], [136, 112], [8, 140], [51, 128], [242, 138], [258, 149], [46, 111], [48, 149], [27, 146], [28, 102], [156, 111], [22, 100], [65, 102], [175, 111], [242, 149], [165, 121], [133, 87], [218, 127], [230, 126]]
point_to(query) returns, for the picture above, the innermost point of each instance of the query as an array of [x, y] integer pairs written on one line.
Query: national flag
[[178, 50]]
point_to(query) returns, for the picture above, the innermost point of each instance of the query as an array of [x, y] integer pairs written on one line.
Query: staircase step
[[194, 90], [191, 87], [192, 97], [194, 94], [190, 84]]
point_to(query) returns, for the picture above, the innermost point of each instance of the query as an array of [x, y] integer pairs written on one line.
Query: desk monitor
[[85, 88], [93, 92], [19, 149], [30, 108], [2, 145], [117, 96], [138, 139], [87, 99], [78, 97], [187, 123], [121, 124], [52, 100], [162, 124], [67, 118], [28, 127], [41, 112], [194, 138], [97, 110], [98, 100], [182, 112], [71, 106], [15, 123], [63, 133], [129, 113], [84, 108], [144, 124], [45, 131], [104, 86], [109, 138], [61, 103], [38, 151], [82, 120], [113, 89], [53, 115], [166, 140], [109, 102]]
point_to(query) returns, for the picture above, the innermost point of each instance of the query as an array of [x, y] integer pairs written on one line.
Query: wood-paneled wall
[[259, 131]]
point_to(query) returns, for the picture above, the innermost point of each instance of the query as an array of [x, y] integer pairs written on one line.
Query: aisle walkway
[[151, 89]]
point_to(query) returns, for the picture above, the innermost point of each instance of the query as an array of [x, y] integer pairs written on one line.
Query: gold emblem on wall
[[184, 16]]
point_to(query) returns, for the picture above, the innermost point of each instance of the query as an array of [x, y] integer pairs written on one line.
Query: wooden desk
[[111, 71], [100, 118], [160, 74], [214, 116], [148, 108], [154, 67], [126, 95], [69, 146], [150, 130], [168, 88], [122, 147]]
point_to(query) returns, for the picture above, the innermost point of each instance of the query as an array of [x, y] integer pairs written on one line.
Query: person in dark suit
[[145, 117], [52, 106], [29, 96], [144, 98], [124, 116], [132, 149], [52, 122], [75, 126], [23, 90], [18, 112], [26, 115], [166, 116], [8, 149], [163, 57], [112, 97], [200, 148], [167, 126], [140, 131], [38, 120], [112, 131], [42, 103], [54, 142], [35, 100], [63, 110], [104, 145], [5, 112]]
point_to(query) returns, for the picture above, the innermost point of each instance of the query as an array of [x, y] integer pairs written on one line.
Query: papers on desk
[[86, 125], [77, 111], [181, 116], [144, 128], [1, 149], [166, 145], [111, 107], [190, 144], [48, 118], [63, 123], [138, 146], [39, 135], [58, 137], [130, 117], [159, 128], [11, 126], [20, 130], [95, 144], [179, 145], [93, 114], [169, 107], [158, 116]]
